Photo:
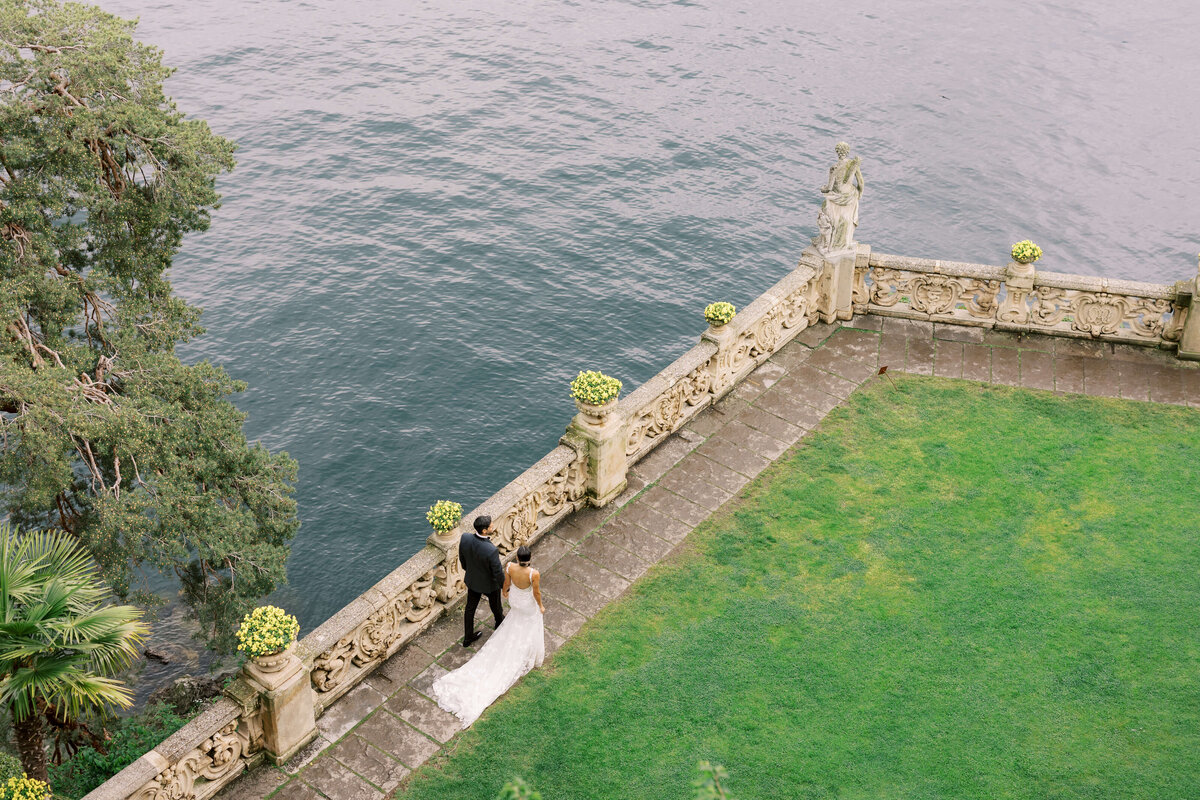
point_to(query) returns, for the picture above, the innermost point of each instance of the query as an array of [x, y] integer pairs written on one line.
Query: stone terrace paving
[[371, 739]]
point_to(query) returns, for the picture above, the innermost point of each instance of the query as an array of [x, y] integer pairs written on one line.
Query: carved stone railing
[[194, 762], [724, 356], [590, 466], [381, 621], [1019, 298]]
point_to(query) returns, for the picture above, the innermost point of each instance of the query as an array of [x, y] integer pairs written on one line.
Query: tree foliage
[[103, 431]]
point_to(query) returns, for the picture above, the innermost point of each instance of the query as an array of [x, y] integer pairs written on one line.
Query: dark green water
[[444, 210]]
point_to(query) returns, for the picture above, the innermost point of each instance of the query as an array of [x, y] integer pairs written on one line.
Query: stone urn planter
[[1024, 253], [718, 316], [445, 517], [274, 662], [595, 414], [595, 394], [267, 635]]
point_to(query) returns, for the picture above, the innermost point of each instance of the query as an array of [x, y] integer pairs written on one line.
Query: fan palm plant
[[58, 639]]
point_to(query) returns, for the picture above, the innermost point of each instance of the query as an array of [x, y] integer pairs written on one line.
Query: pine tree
[[103, 431]]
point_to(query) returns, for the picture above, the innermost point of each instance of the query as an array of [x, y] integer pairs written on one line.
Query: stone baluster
[[1019, 285], [603, 445]]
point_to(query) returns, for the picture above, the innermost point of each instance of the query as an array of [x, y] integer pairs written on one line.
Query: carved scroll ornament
[[565, 489], [220, 756], [927, 293], [664, 416], [765, 336], [374, 638], [1101, 313]]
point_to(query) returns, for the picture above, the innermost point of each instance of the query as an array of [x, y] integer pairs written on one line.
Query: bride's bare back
[[516, 575]]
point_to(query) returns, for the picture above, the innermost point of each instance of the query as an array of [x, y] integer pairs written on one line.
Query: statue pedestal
[[289, 721], [836, 281]]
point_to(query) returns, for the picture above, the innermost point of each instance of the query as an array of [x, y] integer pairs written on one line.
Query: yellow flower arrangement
[[595, 388], [719, 314], [266, 630], [1026, 252], [24, 789], [444, 515]]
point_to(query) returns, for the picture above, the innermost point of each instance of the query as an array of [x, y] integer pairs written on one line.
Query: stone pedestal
[[288, 718], [836, 300], [448, 578], [605, 448], [725, 338], [1018, 286]]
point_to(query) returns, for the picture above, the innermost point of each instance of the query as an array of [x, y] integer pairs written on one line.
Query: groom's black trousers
[[473, 603]]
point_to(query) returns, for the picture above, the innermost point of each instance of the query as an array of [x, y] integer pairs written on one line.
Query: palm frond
[[57, 638]]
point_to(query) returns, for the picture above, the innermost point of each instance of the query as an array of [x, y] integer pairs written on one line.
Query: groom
[[481, 561]]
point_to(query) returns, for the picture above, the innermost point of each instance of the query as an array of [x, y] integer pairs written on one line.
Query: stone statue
[[839, 213]]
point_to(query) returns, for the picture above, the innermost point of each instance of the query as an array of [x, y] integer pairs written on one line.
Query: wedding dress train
[[516, 647]]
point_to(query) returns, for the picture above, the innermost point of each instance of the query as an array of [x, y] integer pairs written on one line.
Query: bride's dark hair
[[523, 555]]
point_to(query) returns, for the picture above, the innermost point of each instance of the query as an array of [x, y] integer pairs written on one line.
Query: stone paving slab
[[376, 734], [349, 711], [398, 739], [297, 790], [564, 621], [650, 519], [368, 761], [732, 455], [573, 594], [423, 683], [617, 559], [977, 362], [641, 543], [423, 714], [753, 441], [258, 782], [332, 779]]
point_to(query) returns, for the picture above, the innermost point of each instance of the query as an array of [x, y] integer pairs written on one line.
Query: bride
[[516, 647]]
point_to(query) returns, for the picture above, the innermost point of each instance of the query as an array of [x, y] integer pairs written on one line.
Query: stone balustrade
[[1020, 298], [195, 761], [590, 466]]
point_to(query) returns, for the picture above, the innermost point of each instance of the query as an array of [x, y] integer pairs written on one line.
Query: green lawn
[[949, 591]]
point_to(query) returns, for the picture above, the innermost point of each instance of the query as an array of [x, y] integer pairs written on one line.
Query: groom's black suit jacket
[[481, 560]]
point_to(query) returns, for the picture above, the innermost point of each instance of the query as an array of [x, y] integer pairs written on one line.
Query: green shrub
[[130, 738], [10, 767]]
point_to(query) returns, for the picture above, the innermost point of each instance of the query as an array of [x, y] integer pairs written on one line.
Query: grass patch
[[949, 591]]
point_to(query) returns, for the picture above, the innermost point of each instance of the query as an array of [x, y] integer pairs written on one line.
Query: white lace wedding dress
[[516, 647]]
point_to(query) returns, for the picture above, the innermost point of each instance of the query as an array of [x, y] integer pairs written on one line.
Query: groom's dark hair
[[482, 522]]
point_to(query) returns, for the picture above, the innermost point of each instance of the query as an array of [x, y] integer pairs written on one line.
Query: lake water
[[444, 210]]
